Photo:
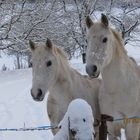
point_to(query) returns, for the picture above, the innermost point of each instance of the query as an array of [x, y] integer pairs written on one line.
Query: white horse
[[51, 71], [120, 90], [77, 123]]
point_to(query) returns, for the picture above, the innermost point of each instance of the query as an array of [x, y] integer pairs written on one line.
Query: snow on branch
[[126, 31]]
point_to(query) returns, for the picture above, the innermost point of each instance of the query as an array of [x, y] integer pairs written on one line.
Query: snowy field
[[17, 107]]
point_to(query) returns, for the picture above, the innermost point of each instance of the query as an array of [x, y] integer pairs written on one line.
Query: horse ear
[[32, 45], [49, 43], [104, 20], [89, 22]]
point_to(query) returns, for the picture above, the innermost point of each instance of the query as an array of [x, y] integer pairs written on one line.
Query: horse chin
[[96, 75], [39, 99]]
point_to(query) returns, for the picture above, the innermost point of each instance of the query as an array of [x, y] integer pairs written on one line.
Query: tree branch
[[131, 28]]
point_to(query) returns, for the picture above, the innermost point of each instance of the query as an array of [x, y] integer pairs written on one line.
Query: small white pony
[[77, 123]]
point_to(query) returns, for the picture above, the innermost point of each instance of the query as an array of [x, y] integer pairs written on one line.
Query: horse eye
[[60, 127], [49, 63], [104, 40], [84, 120]]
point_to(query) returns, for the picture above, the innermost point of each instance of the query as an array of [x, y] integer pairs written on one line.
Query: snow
[[7, 60], [79, 119], [17, 107], [122, 135], [78, 65], [134, 51]]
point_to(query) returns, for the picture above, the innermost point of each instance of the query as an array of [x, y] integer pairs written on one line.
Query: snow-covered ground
[[6, 60], [17, 107]]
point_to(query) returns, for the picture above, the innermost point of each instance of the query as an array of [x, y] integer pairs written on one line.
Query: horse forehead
[[40, 51], [98, 28]]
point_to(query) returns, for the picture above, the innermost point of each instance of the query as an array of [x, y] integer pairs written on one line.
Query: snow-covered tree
[[61, 20]]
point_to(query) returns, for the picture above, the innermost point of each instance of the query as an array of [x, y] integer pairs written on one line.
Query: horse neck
[[119, 69]]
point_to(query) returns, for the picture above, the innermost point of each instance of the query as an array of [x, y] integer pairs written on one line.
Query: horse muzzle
[[37, 96], [92, 71]]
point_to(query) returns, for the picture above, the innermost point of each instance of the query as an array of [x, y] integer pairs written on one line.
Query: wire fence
[[40, 128], [48, 127]]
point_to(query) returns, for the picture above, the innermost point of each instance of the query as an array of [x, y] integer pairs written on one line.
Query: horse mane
[[120, 42], [60, 52], [64, 59], [120, 50]]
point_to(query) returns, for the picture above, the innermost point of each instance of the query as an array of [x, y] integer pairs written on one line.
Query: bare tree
[[81, 8], [21, 22], [127, 23], [61, 20]]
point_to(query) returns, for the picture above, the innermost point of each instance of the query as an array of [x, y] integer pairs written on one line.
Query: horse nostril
[[94, 67], [39, 93], [73, 132]]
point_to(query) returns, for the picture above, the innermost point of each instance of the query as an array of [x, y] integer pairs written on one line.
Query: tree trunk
[[18, 60]]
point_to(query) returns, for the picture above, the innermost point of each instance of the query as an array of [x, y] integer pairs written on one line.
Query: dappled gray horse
[[120, 90], [52, 72]]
